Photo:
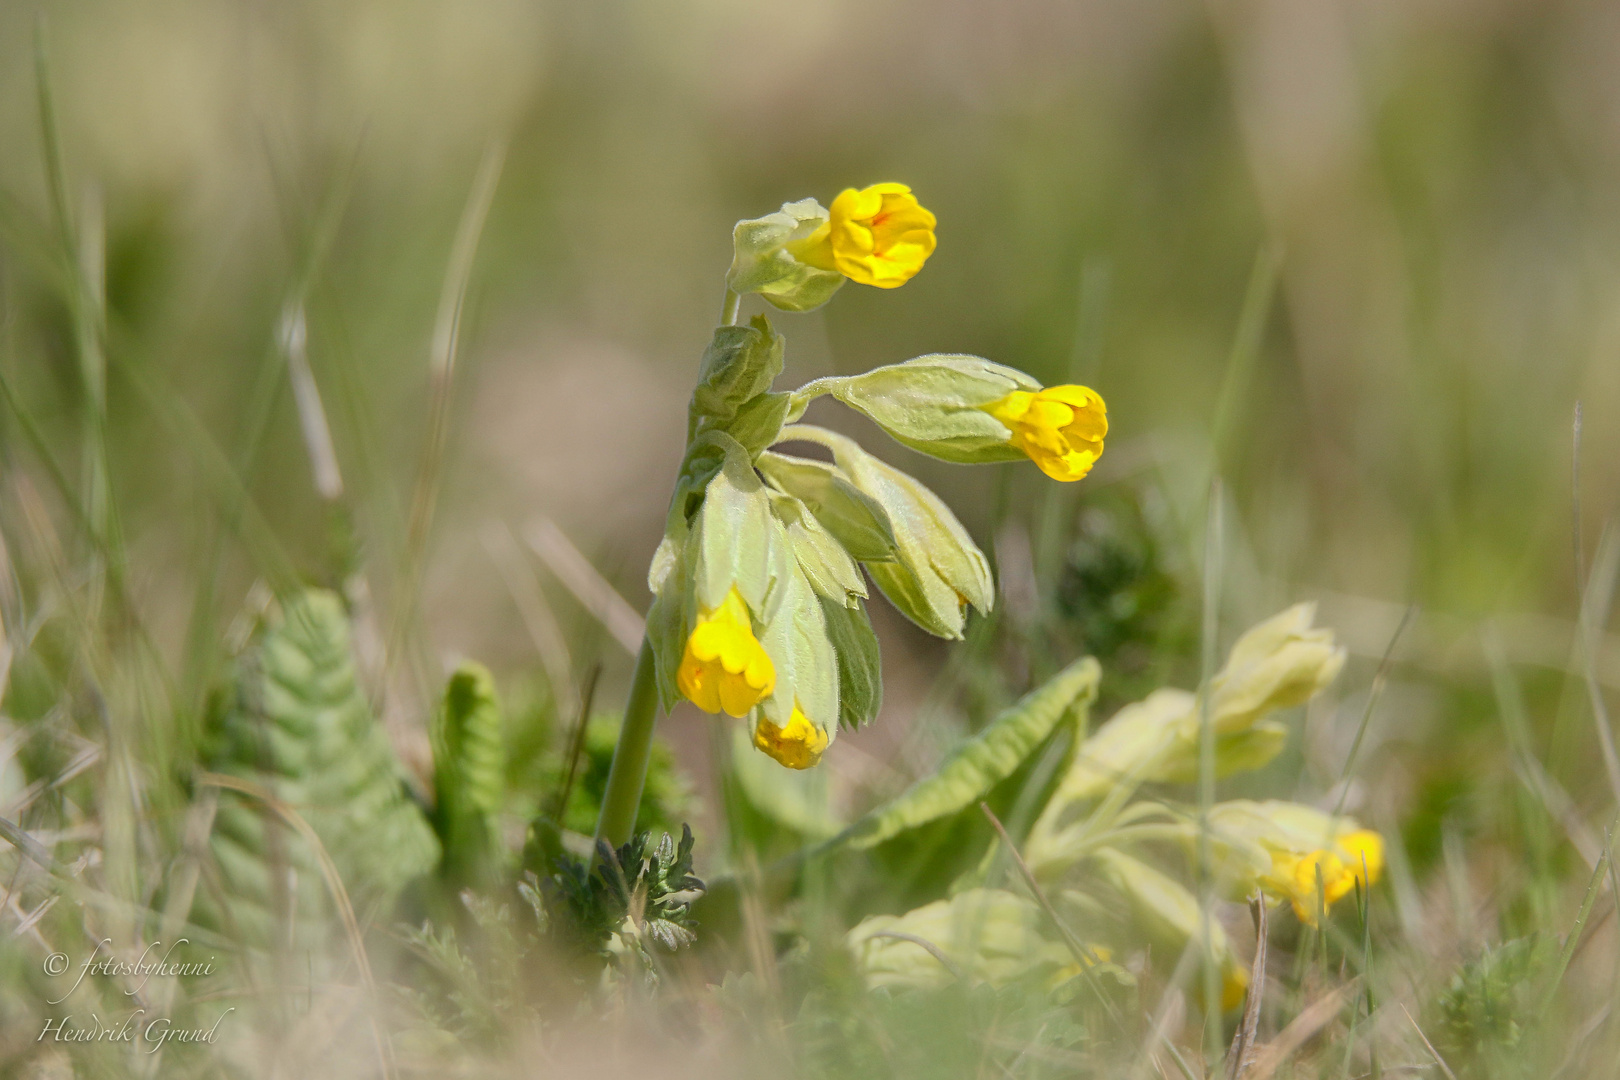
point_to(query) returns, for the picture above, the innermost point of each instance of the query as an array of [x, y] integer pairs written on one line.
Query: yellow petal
[[878, 236], [1363, 847], [799, 745], [724, 667]]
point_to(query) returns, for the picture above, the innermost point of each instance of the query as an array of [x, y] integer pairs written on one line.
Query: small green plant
[[296, 730], [758, 582], [469, 764]]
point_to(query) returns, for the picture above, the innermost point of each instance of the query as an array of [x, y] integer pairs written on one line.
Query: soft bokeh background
[[1436, 180]]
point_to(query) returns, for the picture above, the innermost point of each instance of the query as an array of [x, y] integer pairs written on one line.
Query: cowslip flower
[[799, 745], [879, 236], [1316, 880], [1061, 428], [724, 666]]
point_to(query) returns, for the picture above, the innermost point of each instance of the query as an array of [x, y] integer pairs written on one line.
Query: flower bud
[[1278, 664], [799, 718], [879, 235], [764, 262], [971, 411], [939, 570], [719, 540]]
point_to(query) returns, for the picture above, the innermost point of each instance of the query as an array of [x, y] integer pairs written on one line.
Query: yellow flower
[[725, 666], [1234, 985], [798, 746], [1295, 876], [877, 236], [1061, 428], [1360, 846]]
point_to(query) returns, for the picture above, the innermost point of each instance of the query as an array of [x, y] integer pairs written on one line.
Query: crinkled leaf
[[740, 363], [298, 725], [983, 761], [469, 765]]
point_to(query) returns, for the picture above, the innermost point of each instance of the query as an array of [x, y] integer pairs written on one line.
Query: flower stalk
[[628, 773]]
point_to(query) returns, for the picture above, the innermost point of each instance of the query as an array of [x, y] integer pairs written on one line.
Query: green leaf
[[854, 518], [469, 765], [740, 363], [983, 761], [758, 421], [860, 668], [298, 725]]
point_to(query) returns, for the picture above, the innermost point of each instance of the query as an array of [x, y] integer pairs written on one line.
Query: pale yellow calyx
[[879, 235], [1061, 428], [725, 668], [799, 745]]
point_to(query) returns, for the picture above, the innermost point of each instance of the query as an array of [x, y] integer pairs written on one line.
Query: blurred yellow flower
[[1363, 846], [1061, 428], [879, 236], [725, 666], [798, 746], [1295, 876]]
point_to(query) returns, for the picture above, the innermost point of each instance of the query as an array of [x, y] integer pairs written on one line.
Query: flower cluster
[[761, 578]]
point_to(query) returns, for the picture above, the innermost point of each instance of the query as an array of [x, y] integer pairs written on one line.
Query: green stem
[[728, 310], [629, 771]]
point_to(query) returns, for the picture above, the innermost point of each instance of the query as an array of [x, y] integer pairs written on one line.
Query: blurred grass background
[[1434, 182]]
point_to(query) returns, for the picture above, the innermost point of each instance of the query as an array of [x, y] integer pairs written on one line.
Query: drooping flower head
[[1061, 428], [799, 745], [879, 235], [724, 666]]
